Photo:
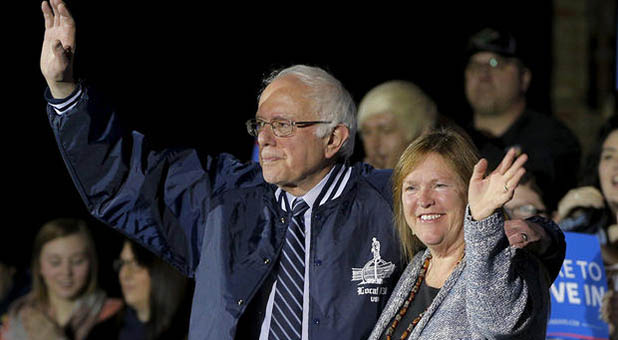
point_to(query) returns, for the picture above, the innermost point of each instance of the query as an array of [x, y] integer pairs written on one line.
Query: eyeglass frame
[[132, 264], [496, 62], [293, 125], [530, 207]]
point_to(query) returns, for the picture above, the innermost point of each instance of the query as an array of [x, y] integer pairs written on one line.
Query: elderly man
[[298, 247], [496, 82]]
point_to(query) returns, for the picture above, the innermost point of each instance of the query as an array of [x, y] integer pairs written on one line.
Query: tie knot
[[299, 207]]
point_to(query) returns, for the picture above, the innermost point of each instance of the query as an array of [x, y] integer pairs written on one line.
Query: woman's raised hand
[[488, 193]]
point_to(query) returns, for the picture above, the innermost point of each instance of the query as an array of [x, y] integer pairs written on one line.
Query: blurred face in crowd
[[65, 266], [608, 170], [434, 203], [134, 280], [525, 203], [494, 83], [295, 162], [384, 139]]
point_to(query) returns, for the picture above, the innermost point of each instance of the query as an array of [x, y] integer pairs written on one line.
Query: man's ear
[[337, 137]]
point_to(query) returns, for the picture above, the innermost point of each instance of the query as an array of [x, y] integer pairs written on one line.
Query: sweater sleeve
[[507, 292]]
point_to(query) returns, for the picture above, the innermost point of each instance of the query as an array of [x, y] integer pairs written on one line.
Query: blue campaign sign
[[577, 293]]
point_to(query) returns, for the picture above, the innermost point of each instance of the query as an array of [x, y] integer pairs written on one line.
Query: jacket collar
[[327, 190]]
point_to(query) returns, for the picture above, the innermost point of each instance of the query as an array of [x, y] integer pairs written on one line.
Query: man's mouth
[[265, 158]]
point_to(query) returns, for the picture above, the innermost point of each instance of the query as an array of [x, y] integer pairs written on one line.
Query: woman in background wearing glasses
[[156, 298], [527, 200]]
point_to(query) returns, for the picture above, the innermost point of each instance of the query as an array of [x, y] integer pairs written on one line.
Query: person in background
[[464, 281], [593, 207], [15, 279], [497, 78], [609, 304], [65, 301], [527, 200], [156, 299], [390, 116]]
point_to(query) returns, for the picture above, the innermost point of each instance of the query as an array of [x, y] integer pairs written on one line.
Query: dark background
[[188, 74]]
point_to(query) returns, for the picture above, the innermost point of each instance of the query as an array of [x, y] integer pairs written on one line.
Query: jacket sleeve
[[158, 198], [507, 292], [553, 257]]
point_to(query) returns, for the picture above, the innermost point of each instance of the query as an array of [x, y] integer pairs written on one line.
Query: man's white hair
[[330, 99]]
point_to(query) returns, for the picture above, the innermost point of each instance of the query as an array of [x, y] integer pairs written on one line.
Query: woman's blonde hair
[[455, 147]]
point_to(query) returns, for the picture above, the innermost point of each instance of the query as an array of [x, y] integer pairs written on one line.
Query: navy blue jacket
[[217, 220]]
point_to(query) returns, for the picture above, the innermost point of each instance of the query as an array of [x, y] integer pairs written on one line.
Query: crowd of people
[[60, 298], [303, 244]]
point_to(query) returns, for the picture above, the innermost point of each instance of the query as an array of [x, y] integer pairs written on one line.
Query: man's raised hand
[[58, 48]]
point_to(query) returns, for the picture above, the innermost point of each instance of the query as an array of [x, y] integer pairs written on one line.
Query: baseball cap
[[493, 40]]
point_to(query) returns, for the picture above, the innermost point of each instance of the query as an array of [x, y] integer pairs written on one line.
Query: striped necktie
[[287, 314]]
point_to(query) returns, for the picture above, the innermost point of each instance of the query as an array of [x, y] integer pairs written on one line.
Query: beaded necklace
[[404, 308]]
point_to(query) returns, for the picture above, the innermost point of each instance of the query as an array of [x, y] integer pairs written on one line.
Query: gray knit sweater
[[496, 292]]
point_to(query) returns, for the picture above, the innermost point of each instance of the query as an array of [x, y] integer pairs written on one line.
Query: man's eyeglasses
[[281, 127], [524, 211], [496, 62]]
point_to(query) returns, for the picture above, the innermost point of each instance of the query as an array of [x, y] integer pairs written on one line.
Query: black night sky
[[188, 74]]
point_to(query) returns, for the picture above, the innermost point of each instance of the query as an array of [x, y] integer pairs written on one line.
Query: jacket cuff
[[554, 254], [64, 105]]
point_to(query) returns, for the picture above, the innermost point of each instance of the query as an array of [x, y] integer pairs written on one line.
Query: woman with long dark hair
[[155, 295]]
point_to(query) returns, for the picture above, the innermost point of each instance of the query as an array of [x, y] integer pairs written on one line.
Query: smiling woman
[[444, 202], [65, 301]]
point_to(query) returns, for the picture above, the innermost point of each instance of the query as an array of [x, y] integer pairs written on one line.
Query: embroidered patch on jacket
[[373, 273]]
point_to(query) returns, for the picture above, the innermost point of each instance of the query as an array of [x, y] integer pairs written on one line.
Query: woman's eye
[[78, 261]]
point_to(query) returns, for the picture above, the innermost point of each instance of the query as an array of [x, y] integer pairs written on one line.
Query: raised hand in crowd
[[58, 48]]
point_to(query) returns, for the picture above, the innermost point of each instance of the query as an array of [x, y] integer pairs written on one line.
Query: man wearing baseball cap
[[496, 81]]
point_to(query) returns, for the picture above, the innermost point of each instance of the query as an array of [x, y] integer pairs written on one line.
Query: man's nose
[[265, 136]]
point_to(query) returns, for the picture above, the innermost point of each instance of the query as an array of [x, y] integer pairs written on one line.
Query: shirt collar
[[312, 194], [325, 190]]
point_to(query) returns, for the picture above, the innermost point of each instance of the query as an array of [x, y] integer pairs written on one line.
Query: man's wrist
[[62, 90]]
